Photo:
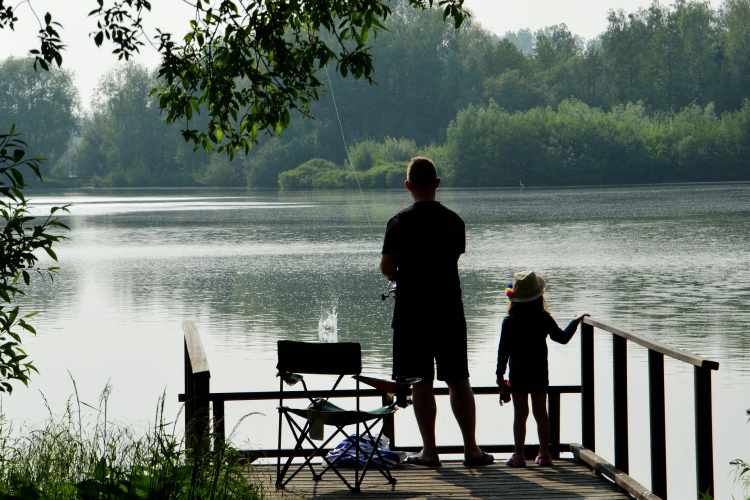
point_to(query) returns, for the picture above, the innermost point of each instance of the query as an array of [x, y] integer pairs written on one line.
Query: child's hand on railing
[[579, 317]]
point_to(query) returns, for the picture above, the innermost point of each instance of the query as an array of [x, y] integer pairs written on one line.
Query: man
[[421, 250]]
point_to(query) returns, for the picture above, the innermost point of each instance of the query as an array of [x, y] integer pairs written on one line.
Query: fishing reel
[[390, 291]]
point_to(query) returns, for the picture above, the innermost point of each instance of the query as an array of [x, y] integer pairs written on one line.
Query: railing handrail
[[350, 393], [197, 355], [654, 345]]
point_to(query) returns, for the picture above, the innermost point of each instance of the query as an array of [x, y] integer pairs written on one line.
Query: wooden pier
[[565, 481], [585, 476]]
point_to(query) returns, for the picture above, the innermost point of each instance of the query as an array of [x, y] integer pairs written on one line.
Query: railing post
[[389, 427], [202, 415], [218, 418], [620, 383], [554, 420], [189, 396], [657, 417], [704, 445], [588, 429], [197, 390]]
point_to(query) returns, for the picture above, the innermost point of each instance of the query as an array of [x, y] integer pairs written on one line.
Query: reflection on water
[[255, 267]]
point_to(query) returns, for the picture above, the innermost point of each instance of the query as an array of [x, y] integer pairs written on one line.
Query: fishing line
[[390, 288], [346, 148]]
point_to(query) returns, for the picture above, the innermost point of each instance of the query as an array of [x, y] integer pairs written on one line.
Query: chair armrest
[[289, 378]]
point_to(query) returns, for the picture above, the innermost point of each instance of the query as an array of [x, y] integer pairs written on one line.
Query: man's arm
[[388, 265]]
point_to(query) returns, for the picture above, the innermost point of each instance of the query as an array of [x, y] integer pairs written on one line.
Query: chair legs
[[301, 438], [301, 435]]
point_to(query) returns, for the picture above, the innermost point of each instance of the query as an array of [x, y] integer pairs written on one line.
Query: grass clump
[[85, 457]]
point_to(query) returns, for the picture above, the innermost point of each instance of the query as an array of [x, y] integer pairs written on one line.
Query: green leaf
[[50, 253]]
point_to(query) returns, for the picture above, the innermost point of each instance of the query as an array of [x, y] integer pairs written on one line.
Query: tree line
[[659, 96]]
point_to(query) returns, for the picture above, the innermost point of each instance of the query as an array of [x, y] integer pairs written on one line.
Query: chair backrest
[[343, 358]]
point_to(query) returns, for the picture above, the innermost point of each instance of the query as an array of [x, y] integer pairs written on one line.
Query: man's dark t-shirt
[[428, 238]]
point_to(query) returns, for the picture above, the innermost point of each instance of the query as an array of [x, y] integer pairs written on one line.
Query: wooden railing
[[657, 412], [200, 403], [199, 400]]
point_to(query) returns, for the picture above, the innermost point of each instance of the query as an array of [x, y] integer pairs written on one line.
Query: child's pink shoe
[[516, 461], [544, 459]]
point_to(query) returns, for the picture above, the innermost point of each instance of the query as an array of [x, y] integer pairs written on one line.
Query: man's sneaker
[[516, 461]]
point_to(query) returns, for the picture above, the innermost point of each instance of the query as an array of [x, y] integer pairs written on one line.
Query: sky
[[586, 18]]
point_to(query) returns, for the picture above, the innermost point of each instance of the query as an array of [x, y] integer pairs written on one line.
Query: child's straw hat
[[527, 286]]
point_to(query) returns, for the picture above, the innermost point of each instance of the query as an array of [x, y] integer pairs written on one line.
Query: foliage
[[742, 471], [658, 60], [80, 456], [305, 176], [319, 173], [577, 144], [276, 49], [22, 235], [364, 155], [221, 172], [125, 141], [398, 150], [43, 104]]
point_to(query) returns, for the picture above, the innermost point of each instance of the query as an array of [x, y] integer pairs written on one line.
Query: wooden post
[[657, 416], [189, 396], [554, 420], [218, 418], [704, 445], [620, 377], [202, 415], [197, 390], [389, 427], [588, 429]]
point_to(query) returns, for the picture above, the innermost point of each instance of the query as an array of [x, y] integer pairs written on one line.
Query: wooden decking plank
[[566, 480]]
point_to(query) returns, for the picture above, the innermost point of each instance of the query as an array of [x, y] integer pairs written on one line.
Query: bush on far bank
[[580, 145], [322, 174]]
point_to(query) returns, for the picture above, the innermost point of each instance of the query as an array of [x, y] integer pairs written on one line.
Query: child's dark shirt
[[523, 343]]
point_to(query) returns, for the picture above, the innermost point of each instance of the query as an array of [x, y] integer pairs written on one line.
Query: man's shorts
[[417, 350]]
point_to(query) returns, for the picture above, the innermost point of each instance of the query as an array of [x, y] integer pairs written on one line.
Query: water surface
[[253, 267]]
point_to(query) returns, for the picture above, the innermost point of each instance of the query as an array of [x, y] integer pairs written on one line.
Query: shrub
[[221, 172], [303, 177], [398, 150], [364, 155], [384, 175], [71, 458]]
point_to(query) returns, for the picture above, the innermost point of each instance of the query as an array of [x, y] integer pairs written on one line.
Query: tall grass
[[82, 455]]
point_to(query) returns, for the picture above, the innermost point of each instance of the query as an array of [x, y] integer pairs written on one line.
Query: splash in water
[[328, 326]]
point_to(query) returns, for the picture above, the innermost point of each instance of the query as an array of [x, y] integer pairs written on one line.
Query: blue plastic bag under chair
[[390, 458]]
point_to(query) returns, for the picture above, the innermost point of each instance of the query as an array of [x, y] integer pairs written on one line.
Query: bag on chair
[[390, 458]]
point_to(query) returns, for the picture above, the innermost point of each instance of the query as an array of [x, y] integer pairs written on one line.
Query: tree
[[125, 140], [735, 17], [43, 104], [275, 47]]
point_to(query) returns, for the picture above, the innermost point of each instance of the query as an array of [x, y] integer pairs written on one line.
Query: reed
[[82, 455]]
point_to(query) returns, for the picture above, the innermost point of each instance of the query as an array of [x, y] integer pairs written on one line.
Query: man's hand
[[389, 265]]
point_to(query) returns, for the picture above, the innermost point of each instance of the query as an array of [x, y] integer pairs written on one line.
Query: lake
[[253, 267]]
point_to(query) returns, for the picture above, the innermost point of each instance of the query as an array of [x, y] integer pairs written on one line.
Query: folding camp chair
[[295, 358]]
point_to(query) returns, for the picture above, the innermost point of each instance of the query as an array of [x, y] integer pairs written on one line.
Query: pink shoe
[[516, 461], [544, 459]]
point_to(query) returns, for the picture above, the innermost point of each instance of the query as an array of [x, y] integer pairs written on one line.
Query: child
[[523, 341]]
